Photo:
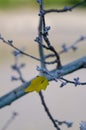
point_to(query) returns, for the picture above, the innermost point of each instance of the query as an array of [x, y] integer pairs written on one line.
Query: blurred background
[[19, 22], [28, 3]]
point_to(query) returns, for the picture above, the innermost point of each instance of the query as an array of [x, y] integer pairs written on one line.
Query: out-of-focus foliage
[[60, 2], [74, 2], [29, 3], [56, 2], [17, 3]]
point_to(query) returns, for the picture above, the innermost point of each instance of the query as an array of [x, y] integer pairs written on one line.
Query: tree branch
[[71, 67], [47, 111], [65, 9], [40, 28], [17, 93]]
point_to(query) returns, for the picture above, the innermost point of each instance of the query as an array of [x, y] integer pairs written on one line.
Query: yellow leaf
[[37, 84]]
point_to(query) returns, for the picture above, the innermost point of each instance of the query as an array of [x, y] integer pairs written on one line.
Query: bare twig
[[16, 67], [65, 9], [48, 112], [73, 46], [5, 127], [10, 43]]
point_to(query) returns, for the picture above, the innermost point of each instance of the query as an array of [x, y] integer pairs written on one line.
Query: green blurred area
[[15, 3], [28, 3]]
